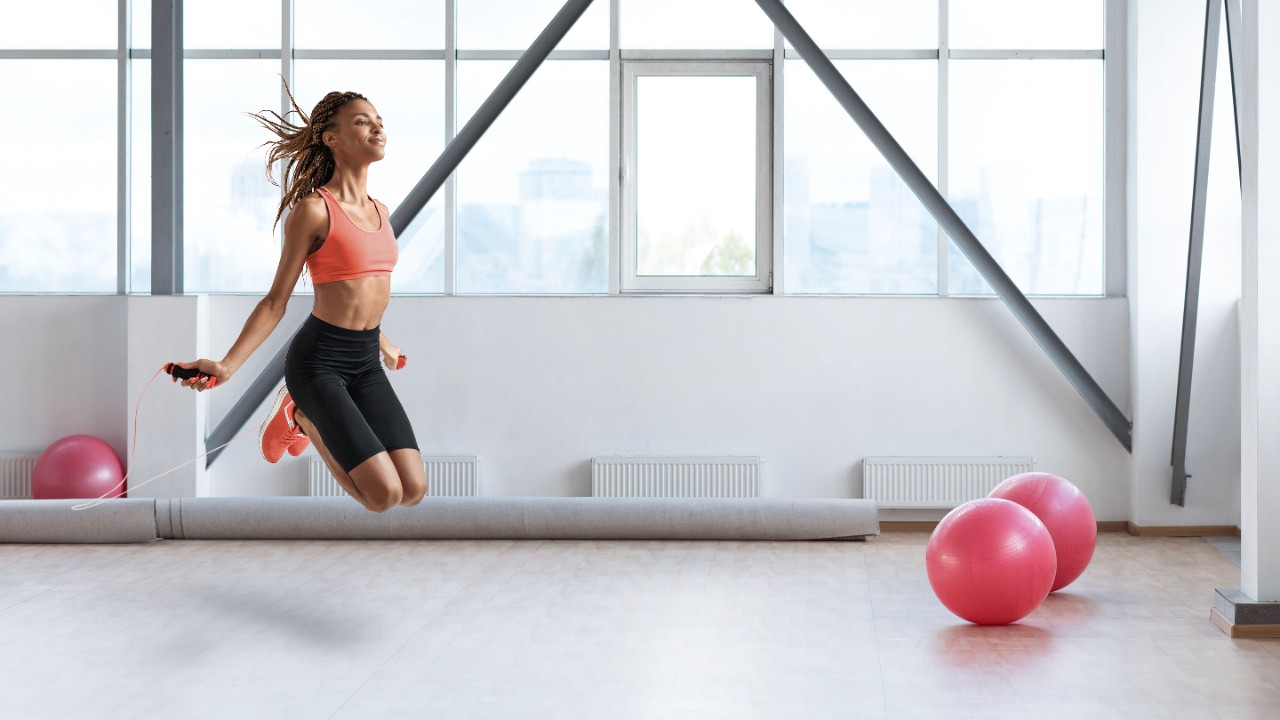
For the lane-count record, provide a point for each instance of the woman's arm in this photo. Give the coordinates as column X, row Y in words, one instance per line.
column 308, row 220
column 390, row 352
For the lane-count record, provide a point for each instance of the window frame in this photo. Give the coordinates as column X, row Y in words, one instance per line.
column 631, row 281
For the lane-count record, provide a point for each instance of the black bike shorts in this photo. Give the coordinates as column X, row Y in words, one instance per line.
column 335, row 377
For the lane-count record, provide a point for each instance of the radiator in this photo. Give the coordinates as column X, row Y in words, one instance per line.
column 15, row 474
column 675, row 477
column 447, row 476
column 935, row 482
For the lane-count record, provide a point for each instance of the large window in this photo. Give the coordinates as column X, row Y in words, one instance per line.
column 664, row 146
column 1009, row 92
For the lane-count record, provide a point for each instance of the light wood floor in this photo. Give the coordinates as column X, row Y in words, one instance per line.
column 694, row 630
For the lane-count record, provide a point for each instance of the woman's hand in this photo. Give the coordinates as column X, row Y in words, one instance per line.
column 390, row 354
column 207, row 369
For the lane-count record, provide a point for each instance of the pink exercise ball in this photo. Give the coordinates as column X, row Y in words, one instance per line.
column 77, row 466
column 990, row 561
column 1064, row 510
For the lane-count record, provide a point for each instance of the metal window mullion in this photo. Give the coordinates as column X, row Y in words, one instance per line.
column 450, row 131
column 944, row 146
column 514, row 55
column 344, row 54
column 928, row 54
column 1025, row 54
column 110, row 54
column 698, row 55
column 124, row 93
column 615, row 151
column 286, row 72
column 764, row 176
column 244, row 54
column 777, row 284
column 1114, row 211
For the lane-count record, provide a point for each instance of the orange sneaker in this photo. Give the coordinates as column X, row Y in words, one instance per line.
column 299, row 446
column 280, row 431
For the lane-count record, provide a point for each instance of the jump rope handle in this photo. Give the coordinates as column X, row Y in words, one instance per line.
column 401, row 362
column 181, row 373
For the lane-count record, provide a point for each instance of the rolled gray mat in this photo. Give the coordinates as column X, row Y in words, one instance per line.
column 125, row 520
column 520, row 518
column 470, row 518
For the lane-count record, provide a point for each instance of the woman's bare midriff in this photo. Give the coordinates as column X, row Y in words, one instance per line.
column 353, row 304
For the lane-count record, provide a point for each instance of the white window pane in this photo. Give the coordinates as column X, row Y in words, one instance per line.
column 868, row 24
column 695, row 176
column 140, row 32
column 379, row 25
column 67, row 24
column 409, row 95
column 533, row 193
column 1027, row 152
column 230, row 24
column 229, row 203
column 58, row 217
column 707, row 24
column 140, row 180
column 514, row 24
column 852, row 225
column 1026, row 24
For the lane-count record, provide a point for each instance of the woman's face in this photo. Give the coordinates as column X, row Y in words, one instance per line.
column 357, row 134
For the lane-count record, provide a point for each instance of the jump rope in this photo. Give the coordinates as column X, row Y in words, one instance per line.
column 179, row 373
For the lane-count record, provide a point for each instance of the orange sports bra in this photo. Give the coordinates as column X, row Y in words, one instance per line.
column 349, row 252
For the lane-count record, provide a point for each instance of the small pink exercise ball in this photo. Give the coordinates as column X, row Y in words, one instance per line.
column 1064, row 510
column 990, row 561
column 77, row 466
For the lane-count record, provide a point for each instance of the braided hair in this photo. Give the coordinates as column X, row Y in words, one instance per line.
column 308, row 161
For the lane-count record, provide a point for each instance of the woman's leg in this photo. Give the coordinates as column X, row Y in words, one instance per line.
column 413, row 479
column 374, row 483
column 376, row 399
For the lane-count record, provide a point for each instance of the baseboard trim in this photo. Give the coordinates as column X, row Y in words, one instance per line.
column 907, row 525
column 929, row 525
column 1243, row 632
column 1181, row 530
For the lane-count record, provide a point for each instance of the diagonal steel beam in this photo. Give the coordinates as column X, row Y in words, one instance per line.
column 410, row 208
column 946, row 216
column 1195, row 247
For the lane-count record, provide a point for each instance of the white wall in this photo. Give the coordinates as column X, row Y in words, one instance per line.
column 1165, row 50
column 538, row 386
column 62, row 369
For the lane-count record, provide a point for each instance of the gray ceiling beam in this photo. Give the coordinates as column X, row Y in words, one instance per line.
column 950, row 221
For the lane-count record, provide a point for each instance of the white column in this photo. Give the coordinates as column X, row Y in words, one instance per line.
column 1260, row 307
column 172, row 420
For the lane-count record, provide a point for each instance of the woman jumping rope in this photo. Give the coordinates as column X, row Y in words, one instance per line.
column 336, row 395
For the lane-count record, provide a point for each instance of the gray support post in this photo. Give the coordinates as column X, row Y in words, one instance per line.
column 418, row 197
column 1234, row 52
column 946, row 216
column 166, row 147
column 1195, row 254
